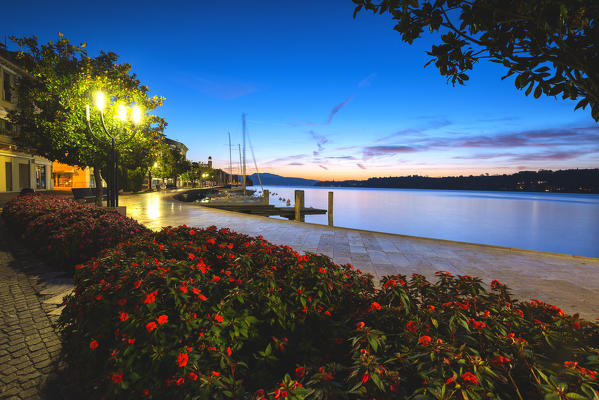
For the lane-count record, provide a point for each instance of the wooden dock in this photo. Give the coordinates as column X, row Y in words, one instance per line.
column 259, row 208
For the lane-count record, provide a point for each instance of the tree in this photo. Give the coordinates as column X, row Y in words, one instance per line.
column 550, row 44
column 61, row 80
column 171, row 163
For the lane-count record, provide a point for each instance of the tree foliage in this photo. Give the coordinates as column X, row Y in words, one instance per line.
column 61, row 80
column 171, row 163
column 551, row 46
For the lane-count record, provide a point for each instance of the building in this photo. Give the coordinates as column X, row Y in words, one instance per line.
column 66, row 177
column 19, row 169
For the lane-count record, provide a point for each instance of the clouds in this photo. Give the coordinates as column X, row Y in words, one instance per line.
column 219, row 88
column 336, row 109
column 323, row 167
column 367, row 81
column 361, row 166
column 377, row 151
column 320, row 140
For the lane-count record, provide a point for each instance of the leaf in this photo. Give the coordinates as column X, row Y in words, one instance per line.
column 538, row 91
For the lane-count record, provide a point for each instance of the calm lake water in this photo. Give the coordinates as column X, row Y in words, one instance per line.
column 555, row 222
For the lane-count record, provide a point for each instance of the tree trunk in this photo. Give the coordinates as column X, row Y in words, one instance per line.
column 149, row 179
column 98, row 180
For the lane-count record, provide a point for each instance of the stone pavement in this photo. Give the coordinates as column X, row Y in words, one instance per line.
column 567, row 281
column 30, row 297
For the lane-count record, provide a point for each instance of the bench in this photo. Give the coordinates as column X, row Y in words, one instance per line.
column 88, row 194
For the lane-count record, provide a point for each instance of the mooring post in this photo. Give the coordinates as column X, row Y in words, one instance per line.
column 266, row 196
column 330, row 213
column 299, row 204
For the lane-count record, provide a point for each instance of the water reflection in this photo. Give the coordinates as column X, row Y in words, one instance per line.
column 153, row 207
column 561, row 223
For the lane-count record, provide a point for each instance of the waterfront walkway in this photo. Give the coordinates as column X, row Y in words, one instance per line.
column 31, row 294
column 567, row 281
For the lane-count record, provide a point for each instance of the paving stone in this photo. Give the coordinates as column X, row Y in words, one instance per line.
column 26, row 329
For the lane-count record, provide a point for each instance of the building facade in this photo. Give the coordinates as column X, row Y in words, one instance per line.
column 19, row 169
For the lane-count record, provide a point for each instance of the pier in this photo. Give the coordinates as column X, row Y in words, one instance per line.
column 265, row 210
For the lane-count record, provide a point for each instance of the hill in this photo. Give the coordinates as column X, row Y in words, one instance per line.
column 278, row 180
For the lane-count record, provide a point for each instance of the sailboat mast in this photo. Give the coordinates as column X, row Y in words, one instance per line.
column 240, row 169
column 230, row 162
column 244, row 177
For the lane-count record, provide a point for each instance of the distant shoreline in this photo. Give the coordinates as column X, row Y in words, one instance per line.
column 420, row 188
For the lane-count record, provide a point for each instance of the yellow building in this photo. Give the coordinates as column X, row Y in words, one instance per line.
column 19, row 169
column 66, row 177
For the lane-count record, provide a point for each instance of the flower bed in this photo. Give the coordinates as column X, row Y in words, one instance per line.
column 211, row 314
column 66, row 232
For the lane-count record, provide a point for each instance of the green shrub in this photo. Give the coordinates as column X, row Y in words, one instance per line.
column 65, row 232
column 212, row 314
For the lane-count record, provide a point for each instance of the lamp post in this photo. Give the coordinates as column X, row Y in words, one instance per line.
column 113, row 198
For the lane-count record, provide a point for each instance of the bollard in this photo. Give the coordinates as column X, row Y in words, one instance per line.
column 299, row 204
column 330, row 213
column 266, row 196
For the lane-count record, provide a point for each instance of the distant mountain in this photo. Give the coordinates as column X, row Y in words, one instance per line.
column 278, row 180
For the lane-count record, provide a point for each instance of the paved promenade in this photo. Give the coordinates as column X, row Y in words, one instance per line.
column 569, row 282
column 30, row 298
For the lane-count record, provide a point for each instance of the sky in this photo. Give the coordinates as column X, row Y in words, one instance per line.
column 326, row 96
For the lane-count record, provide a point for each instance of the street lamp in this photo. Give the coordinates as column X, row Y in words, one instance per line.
column 113, row 198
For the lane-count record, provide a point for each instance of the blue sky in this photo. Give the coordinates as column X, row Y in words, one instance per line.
column 326, row 96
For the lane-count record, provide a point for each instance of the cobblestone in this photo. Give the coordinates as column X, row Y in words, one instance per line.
column 29, row 340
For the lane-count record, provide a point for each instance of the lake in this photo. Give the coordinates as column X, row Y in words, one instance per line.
column 555, row 222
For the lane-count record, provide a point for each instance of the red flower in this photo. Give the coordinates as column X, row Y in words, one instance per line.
column 322, row 270
column 300, row 371
column 124, row 316
column 180, row 381
column 192, row 232
column 360, row 325
column 150, row 297
column 182, row 359
column 137, row 284
column 218, row 318
column 191, row 256
column 443, row 273
column 117, row 377
column 450, row 380
column 203, row 298
column 365, row 377
column 183, row 288
column 570, row 364
column 412, row 326
column 98, row 297
column 215, row 278
column 390, row 283
column 229, row 352
column 131, row 341
column 495, row 284
column 193, row 376
column 93, row 344
column 214, row 373
column 374, row 306
column 498, row 361
column 470, row 378
column 424, row 340
column 163, row 319
column 150, row 326
column 430, row 308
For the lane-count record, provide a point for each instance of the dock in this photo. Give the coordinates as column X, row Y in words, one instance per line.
column 259, row 208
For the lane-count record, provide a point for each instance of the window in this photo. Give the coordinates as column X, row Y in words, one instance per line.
column 7, row 86
column 40, row 176
column 7, row 128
